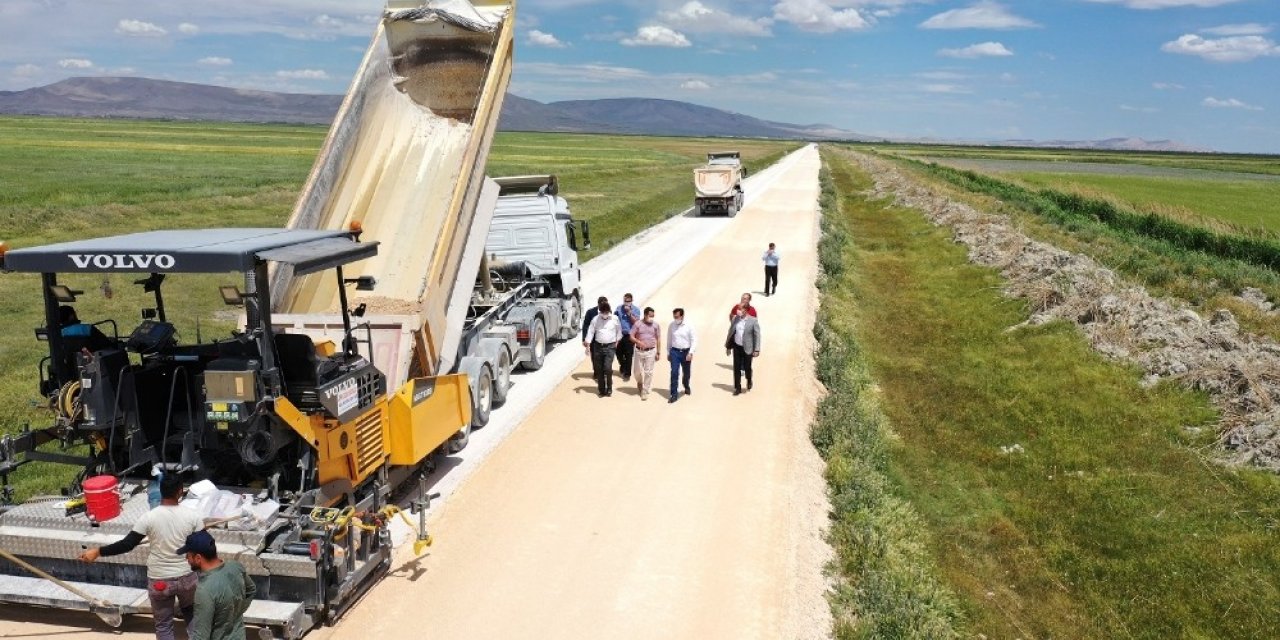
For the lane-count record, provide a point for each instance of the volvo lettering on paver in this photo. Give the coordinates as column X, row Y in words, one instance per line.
column 345, row 393
column 140, row 261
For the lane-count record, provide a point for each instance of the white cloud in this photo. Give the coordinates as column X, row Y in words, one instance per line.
column 1167, row 86
column 26, row 70
column 982, row 15
column 1229, row 103
column 326, row 21
column 1229, row 49
column 944, row 88
column 188, row 28
column 941, row 75
column 819, row 16
column 1247, row 29
column 1125, row 107
column 544, row 39
column 1165, row 4
column 696, row 17
column 140, row 29
column 694, row 85
column 980, row 50
column 75, row 63
column 215, row 61
column 657, row 36
column 303, row 74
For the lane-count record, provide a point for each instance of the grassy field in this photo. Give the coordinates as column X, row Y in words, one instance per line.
column 1244, row 163
column 65, row 179
column 1057, row 497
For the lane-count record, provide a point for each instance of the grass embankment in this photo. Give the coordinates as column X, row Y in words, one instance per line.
column 1060, row 497
column 887, row 584
column 1206, row 268
column 67, row 179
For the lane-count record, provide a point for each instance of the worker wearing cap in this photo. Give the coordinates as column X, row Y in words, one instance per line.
column 224, row 594
column 170, row 580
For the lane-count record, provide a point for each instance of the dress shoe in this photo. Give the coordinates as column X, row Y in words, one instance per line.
column 737, row 392
column 688, row 391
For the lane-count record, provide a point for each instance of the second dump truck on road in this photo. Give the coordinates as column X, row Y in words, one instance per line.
column 718, row 184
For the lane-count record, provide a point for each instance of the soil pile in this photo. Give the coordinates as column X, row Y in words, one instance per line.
column 1169, row 340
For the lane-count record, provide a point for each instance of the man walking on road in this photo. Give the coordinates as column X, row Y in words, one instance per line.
column 224, row 593
column 744, row 303
column 589, row 316
column 743, row 342
column 770, row 259
column 602, row 337
column 646, row 335
column 170, row 582
column 628, row 315
column 681, row 342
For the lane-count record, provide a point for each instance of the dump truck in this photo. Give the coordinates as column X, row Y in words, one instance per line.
column 342, row 385
column 718, row 184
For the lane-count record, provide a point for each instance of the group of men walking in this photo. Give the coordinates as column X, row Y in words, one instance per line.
column 633, row 337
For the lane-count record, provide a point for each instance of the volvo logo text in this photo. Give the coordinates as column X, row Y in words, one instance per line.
column 139, row 261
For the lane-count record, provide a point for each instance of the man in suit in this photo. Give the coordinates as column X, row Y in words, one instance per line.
column 743, row 342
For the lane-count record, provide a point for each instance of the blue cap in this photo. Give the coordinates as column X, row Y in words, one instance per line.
column 200, row 543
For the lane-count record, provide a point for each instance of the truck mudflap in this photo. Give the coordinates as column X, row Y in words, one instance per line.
column 280, row 619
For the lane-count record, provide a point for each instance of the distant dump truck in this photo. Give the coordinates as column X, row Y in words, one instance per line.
column 718, row 184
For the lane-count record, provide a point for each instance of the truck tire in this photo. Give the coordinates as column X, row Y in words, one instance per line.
column 481, row 405
column 537, row 346
column 570, row 328
column 733, row 210
column 502, row 378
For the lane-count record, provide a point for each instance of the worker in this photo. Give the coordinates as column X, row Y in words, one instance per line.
column 628, row 315
column 70, row 326
column 589, row 316
column 602, row 337
column 223, row 595
column 170, row 580
column 647, row 337
column 681, row 344
column 743, row 342
column 743, row 302
column 770, row 259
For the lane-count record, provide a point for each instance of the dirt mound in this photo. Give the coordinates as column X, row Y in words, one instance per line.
column 1168, row 339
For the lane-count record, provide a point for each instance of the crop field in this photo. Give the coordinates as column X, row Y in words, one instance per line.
column 65, row 179
column 1244, row 163
column 998, row 482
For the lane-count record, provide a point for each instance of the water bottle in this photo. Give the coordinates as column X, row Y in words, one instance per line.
column 153, row 490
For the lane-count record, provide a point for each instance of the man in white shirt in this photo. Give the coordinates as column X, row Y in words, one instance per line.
column 170, row 580
column 743, row 342
column 681, row 343
column 602, row 344
column 770, row 259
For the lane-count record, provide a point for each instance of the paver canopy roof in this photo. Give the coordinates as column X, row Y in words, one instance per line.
column 194, row 251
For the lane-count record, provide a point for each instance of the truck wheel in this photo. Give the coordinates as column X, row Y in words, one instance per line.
column 733, row 211
column 569, row 328
column 502, row 378
column 537, row 346
column 481, row 405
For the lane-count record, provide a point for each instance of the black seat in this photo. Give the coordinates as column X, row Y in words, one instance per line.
column 299, row 367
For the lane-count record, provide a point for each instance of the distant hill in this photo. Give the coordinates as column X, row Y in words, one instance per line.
column 106, row 97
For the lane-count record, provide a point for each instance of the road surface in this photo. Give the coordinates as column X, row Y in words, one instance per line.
column 617, row 518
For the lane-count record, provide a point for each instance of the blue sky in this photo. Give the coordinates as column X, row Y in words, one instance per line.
column 1203, row 72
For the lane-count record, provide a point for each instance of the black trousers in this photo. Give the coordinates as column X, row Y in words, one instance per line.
column 626, row 351
column 770, row 278
column 602, row 365
column 741, row 365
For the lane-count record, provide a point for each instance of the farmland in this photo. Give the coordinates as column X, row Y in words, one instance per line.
column 65, row 179
column 1001, row 479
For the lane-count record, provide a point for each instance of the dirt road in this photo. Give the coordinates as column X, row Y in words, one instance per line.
column 616, row 518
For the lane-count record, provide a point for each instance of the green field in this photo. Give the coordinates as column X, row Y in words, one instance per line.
column 66, row 179
column 1015, row 483
column 1245, row 163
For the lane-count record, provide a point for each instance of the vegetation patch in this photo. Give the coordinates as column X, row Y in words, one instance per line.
column 1062, row 497
column 887, row 584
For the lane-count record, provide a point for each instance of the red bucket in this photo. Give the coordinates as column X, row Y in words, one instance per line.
column 101, row 498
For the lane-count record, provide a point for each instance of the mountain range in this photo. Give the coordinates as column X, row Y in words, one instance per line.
column 120, row 97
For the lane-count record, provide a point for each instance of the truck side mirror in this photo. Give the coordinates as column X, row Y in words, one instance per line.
column 586, row 234
column 571, row 234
